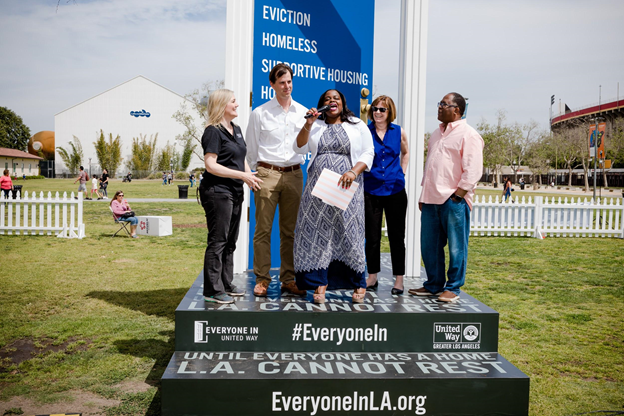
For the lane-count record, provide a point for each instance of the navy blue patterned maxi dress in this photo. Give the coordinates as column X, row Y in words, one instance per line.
column 329, row 242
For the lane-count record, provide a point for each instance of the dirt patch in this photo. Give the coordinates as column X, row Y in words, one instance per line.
column 124, row 261
column 27, row 348
column 81, row 402
column 189, row 226
column 133, row 387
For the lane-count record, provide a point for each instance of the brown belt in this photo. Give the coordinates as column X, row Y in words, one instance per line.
column 279, row 168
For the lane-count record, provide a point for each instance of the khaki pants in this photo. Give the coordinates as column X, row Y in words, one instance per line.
column 283, row 189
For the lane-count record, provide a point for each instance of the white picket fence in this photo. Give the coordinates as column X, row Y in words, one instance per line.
column 542, row 217
column 32, row 215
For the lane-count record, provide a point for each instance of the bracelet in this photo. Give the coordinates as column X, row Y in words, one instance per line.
column 304, row 126
column 354, row 174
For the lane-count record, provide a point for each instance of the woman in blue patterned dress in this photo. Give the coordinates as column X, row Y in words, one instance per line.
column 329, row 242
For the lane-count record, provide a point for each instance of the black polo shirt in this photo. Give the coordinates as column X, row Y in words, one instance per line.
column 231, row 152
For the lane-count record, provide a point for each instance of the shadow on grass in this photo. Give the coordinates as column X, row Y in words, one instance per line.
column 156, row 349
column 162, row 302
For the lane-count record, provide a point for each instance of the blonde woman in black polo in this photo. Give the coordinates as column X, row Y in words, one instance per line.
column 221, row 194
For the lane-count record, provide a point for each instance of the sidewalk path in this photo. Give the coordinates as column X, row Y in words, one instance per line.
column 574, row 190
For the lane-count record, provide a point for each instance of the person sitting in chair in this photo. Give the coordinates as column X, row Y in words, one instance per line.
column 122, row 211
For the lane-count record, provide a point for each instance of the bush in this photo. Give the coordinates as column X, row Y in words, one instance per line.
column 31, row 177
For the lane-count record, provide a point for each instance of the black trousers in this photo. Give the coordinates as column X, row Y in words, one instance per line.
column 223, row 215
column 395, row 207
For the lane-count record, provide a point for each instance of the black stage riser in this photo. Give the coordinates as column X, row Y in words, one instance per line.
column 262, row 383
column 383, row 323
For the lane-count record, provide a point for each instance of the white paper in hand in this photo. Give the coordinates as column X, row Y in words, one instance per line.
column 328, row 190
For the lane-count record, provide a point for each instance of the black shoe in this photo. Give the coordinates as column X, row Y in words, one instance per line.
column 373, row 288
column 396, row 291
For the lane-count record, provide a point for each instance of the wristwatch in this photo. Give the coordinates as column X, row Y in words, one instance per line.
column 456, row 198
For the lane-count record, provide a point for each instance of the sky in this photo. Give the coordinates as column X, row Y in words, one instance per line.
column 503, row 54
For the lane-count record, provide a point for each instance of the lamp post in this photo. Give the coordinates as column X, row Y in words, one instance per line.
column 596, row 120
column 548, row 171
column 90, row 173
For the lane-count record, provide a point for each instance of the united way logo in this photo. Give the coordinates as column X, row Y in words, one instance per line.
column 201, row 337
column 451, row 332
column 471, row 333
column 141, row 113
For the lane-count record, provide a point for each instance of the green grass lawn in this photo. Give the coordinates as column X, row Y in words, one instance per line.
column 108, row 305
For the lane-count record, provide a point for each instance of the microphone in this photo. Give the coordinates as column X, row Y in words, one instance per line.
column 319, row 110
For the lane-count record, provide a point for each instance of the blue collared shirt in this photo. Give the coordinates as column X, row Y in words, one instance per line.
column 386, row 177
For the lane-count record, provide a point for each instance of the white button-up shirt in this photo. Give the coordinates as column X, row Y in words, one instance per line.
column 271, row 133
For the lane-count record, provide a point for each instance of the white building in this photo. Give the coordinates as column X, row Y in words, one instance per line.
column 138, row 106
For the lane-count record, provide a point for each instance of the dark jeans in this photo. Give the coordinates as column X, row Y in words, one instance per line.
column 395, row 207
column 449, row 222
column 223, row 215
column 103, row 187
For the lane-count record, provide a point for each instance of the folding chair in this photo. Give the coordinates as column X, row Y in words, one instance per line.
column 120, row 221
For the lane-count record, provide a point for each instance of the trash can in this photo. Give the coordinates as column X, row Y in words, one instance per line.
column 495, row 184
column 16, row 189
column 183, row 191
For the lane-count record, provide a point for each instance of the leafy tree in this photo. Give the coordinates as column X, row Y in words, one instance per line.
column 187, row 153
column 495, row 138
column 538, row 156
column 108, row 152
column 168, row 159
column 14, row 134
column 518, row 141
column 73, row 157
column 143, row 155
column 189, row 112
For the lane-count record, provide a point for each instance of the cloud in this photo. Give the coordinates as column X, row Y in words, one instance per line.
column 60, row 59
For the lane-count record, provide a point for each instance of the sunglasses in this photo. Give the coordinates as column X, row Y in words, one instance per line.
column 443, row 105
column 121, row 195
column 375, row 109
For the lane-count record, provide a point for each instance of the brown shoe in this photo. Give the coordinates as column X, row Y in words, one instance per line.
column 292, row 289
column 421, row 291
column 261, row 289
column 448, row 296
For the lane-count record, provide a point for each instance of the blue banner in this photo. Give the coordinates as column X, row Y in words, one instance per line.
column 327, row 43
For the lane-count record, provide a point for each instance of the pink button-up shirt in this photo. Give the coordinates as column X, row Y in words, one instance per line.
column 454, row 160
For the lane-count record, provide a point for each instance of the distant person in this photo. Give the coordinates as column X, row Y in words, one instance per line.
column 94, row 188
column 384, row 191
column 192, row 179
column 453, row 168
column 169, row 178
column 104, row 183
column 507, row 189
column 122, row 212
column 82, row 177
column 6, row 184
column 164, row 178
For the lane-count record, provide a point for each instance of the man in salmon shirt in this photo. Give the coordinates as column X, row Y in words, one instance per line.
column 453, row 168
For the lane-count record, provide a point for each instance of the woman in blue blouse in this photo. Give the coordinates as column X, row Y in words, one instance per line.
column 384, row 190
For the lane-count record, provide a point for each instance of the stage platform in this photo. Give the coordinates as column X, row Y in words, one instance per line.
column 391, row 355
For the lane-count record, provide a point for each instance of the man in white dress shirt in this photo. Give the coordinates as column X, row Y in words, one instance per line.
column 272, row 129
